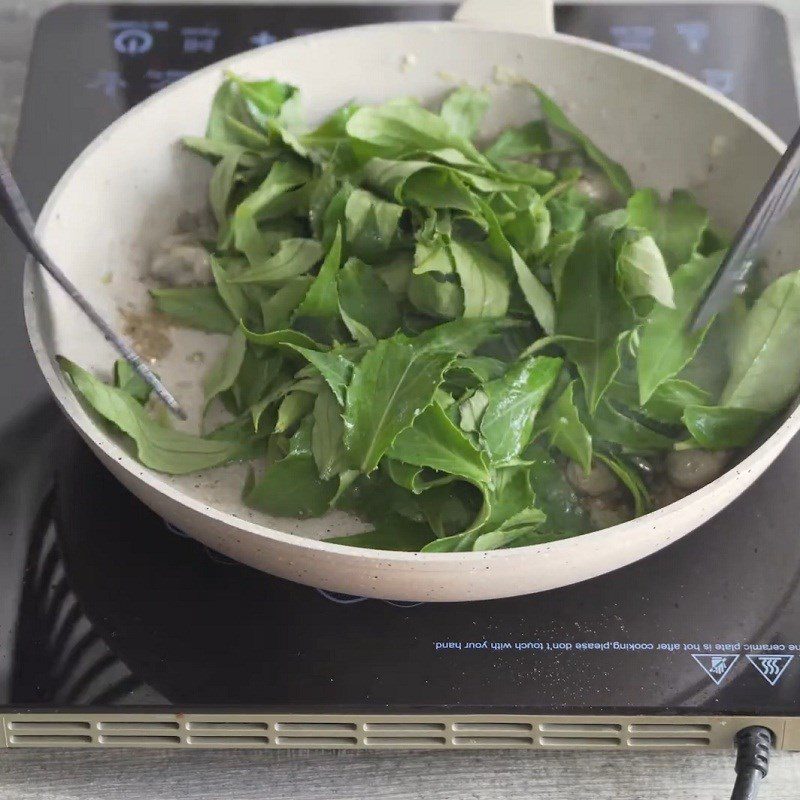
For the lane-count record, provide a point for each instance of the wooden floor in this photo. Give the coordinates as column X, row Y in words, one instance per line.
column 269, row 775
column 499, row 775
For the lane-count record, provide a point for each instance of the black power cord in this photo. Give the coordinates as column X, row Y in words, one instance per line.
column 753, row 746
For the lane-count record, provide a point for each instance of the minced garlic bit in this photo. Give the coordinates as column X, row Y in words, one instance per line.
column 447, row 77
column 148, row 332
column 507, row 76
column 719, row 144
column 408, row 61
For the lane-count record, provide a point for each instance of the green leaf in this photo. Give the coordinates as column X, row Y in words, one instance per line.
column 322, row 298
column 461, row 336
column 765, row 369
column 433, row 255
column 471, row 371
column 281, row 339
column 225, row 369
column 530, row 174
column 221, row 186
column 416, row 479
column 159, row 448
column 566, row 515
column 233, row 296
column 294, row 407
column 591, row 312
column 709, row 368
column 611, row 424
column 720, row 427
column 555, row 256
column 300, row 440
column 397, row 129
column 732, row 321
column 259, row 373
column 370, row 225
column 195, row 306
column 509, row 511
column 128, row 380
column 671, row 399
column 264, row 98
column 438, row 188
column 528, row 140
column 364, row 297
column 419, row 183
column 471, row 411
column 631, row 480
column 529, row 228
column 292, row 487
column 500, row 181
column 294, row 257
column 396, row 274
column 274, row 197
column 280, row 130
column 248, row 136
column 436, row 297
column 566, row 217
column 258, row 409
column 536, row 296
column 483, row 280
column 677, row 226
column 567, row 432
column 328, row 218
column 278, row 310
column 322, row 190
column 334, row 368
column 643, row 271
column 514, row 400
column 391, row 386
column 215, row 151
column 464, row 109
column 521, row 524
column 450, row 509
column 615, row 172
column 361, row 334
column 435, row 442
column 394, row 533
column 666, row 343
column 376, row 497
column 240, row 429
column 332, row 131
column 226, row 104
column 327, row 443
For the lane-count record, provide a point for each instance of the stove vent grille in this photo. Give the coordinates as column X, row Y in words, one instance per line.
column 191, row 731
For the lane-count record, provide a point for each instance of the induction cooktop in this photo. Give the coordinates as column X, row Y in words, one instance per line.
column 117, row 630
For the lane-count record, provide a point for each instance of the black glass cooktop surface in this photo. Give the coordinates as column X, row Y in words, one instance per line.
column 103, row 605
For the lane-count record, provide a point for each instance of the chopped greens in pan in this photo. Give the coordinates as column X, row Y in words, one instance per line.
column 471, row 345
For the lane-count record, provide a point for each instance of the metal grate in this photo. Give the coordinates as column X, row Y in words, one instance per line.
column 385, row 731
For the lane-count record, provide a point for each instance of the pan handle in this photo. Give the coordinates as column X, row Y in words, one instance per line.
column 524, row 16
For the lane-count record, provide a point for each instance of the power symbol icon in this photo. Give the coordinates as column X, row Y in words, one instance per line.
column 133, row 41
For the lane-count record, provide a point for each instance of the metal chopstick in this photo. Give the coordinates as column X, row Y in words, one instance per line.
column 17, row 214
column 769, row 208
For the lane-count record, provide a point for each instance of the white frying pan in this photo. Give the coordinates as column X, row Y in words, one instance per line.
column 124, row 193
